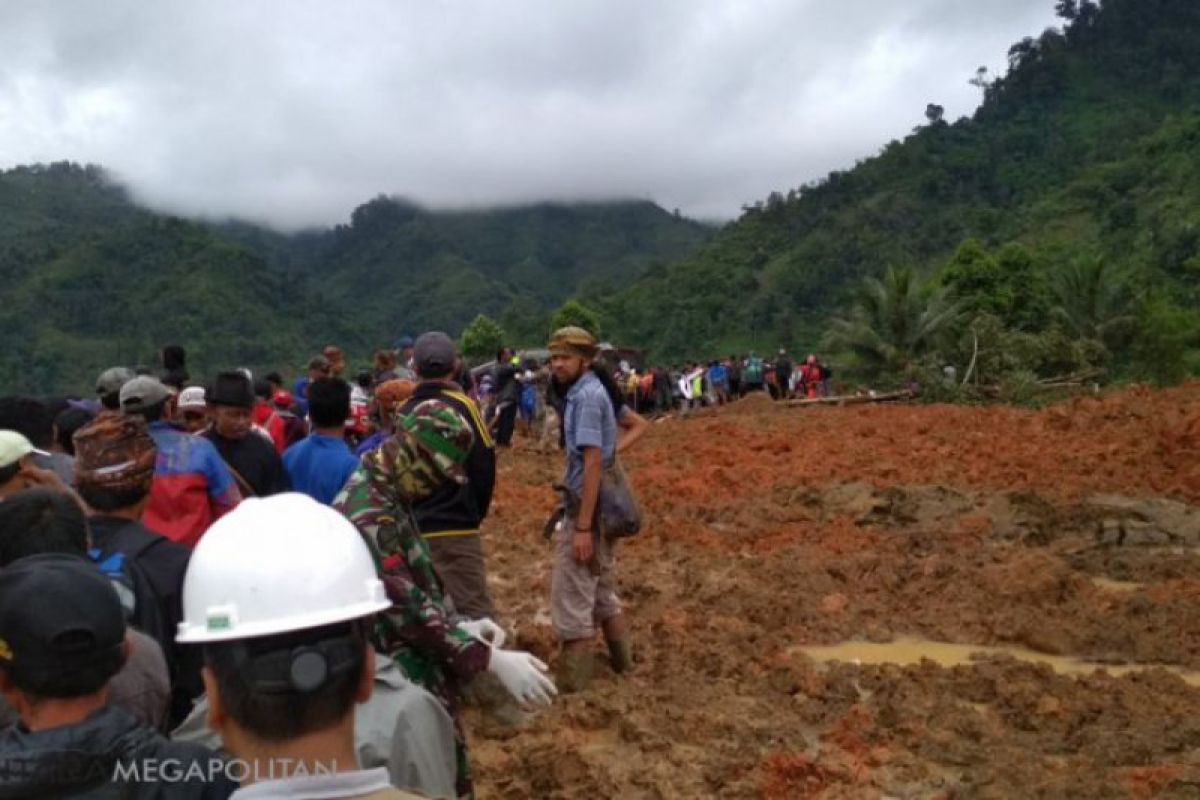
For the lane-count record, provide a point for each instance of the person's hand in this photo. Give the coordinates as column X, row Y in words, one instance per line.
column 523, row 676
column 581, row 546
column 36, row 476
column 485, row 630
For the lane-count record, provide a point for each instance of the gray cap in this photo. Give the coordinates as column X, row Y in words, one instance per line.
column 143, row 392
column 434, row 353
column 112, row 379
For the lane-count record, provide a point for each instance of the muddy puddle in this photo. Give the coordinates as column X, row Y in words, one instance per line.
column 906, row 651
column 1116, row 586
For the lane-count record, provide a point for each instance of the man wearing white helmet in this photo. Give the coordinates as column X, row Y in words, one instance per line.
column 281, row 593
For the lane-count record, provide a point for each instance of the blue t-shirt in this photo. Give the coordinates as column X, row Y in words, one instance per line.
column 298, row 390
column 588, row 421
column 717, row 375
column 319, row 466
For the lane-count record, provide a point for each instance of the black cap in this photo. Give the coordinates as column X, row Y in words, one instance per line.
column 434, row 354
column 58, row 614
column 231, row 389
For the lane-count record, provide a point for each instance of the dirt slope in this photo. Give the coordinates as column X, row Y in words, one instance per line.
column 773, row 528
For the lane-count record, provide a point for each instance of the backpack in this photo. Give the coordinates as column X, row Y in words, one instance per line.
column 141, row 603
column 753, row 373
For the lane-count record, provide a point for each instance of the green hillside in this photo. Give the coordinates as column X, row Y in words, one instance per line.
column 1088, row 148
column 91, row 279
column 401, row 268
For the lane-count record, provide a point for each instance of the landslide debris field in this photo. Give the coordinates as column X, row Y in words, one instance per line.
column 1072, row 532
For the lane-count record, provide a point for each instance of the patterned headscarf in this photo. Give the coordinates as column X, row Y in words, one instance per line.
column 115, row 452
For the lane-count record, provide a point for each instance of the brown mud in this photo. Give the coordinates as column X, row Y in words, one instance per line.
column 1070, row 532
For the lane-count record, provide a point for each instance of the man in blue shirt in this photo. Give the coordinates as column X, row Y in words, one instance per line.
column 321, row 463
column 583, row 583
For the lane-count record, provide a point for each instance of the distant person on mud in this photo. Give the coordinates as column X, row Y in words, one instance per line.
column 664, row 397
column 752, row 374
column 718, row 382
column 508, row 397
column 810, row 378
column 783, row 375
column 733, row 369
column 583, row 583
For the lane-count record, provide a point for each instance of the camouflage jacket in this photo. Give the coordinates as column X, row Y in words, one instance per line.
column 418, row 631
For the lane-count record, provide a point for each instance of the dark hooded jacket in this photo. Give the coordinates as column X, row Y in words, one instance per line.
column 108, row 755
column 457, row 507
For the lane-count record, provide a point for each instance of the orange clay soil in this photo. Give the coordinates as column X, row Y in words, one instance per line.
column 1070, row 531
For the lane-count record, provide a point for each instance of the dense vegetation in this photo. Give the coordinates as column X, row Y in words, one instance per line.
column 1056, row 230
column 1079, row 173
column 93, row 280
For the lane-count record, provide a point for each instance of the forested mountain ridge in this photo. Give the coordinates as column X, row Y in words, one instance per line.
column 92, row 279
column 1089, row 147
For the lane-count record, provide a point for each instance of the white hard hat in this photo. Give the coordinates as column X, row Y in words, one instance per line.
column 274, row 565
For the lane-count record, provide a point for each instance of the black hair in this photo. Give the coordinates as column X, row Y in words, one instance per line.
column 153, row 413
column 275, row 378
column 281, row 715
column 55, row 405
column 435, row 372
column 104, row 499
column 365, row 379
column 67, row 682
column 262, row 389
column 69, row 421
column 111, row 401
column 329, row 402
column 38, row 521
column 29, row 417
column 174, row 357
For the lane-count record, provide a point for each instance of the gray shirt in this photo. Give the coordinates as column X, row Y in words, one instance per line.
column 401, row 727
column 588, row 421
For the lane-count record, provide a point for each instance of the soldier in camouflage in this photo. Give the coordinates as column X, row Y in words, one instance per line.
column 434, row 647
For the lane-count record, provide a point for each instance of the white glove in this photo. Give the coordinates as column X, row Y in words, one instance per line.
column 523, row 676
column 485, row 630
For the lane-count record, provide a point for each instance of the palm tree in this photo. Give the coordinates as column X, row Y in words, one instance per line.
column 1094, row 300
column 893, row 323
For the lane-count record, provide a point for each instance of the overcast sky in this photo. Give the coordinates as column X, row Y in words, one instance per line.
column 292, row 113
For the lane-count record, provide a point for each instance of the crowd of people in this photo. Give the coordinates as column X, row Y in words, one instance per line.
column 237, row 588
column 695, row 384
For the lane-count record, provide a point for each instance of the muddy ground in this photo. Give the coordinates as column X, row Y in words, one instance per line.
column 772, row 528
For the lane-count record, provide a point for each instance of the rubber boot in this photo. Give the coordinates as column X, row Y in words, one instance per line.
column 574, row 669
column 620, row 654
